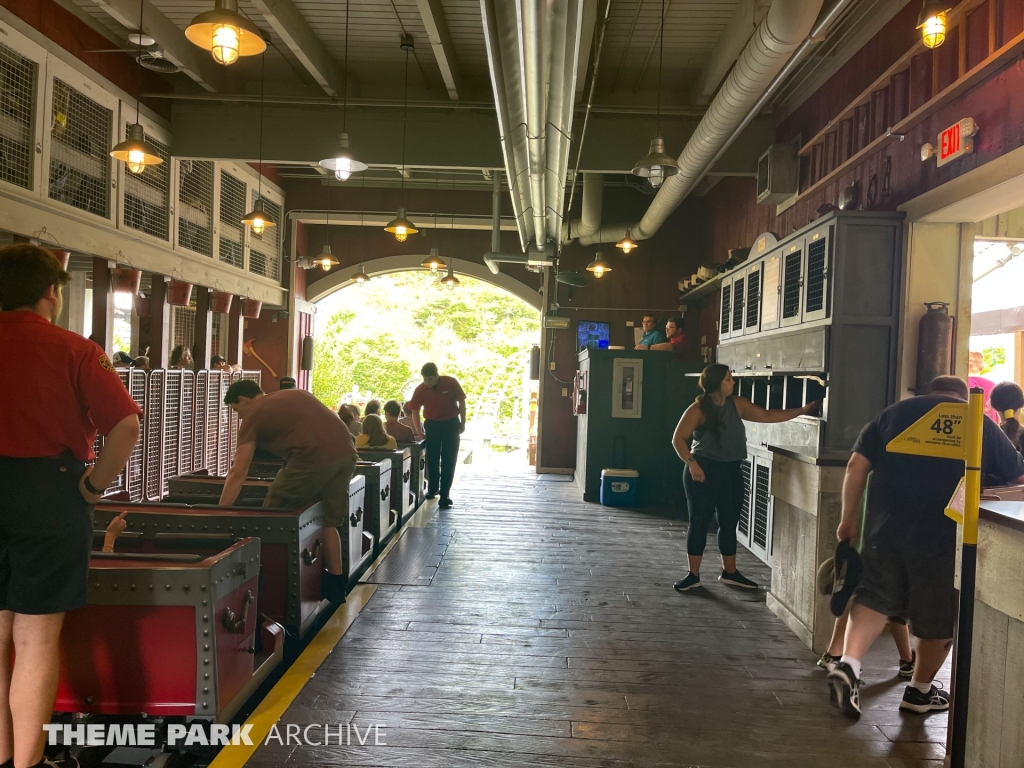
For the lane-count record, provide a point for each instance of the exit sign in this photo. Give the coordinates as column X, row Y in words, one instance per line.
column 956, row 141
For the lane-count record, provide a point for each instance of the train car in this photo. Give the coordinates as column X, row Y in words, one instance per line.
column 291, row 547
column 169, row 634
column 402, row 496
column 380, row 518
column 418, row 481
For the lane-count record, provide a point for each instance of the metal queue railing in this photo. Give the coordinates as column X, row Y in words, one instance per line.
column 185, row 427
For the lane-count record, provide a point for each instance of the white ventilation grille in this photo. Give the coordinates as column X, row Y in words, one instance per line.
column 80, row 151
column 232, row 209
column 147, row 194
column 184, row 327
column 265, row 249
column 17, row 109
column 195, row 206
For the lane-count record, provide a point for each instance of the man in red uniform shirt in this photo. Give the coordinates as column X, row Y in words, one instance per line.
column 49, row 414
column 444, row 408
column 676, row 343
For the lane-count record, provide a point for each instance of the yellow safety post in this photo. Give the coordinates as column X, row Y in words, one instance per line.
column 968, row 569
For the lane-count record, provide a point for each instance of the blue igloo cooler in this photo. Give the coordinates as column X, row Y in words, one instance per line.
column 620, row 487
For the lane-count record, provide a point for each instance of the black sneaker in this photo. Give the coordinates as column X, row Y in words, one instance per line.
column 907, row 667
column 692, row 580
column 432, row 495
column 936, row 700
column 845, row 689
column 828, row 661
column 445, row 504
column 736, row 579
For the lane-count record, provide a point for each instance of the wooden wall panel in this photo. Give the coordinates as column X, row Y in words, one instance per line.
column 977, row 35
column 1009, row 20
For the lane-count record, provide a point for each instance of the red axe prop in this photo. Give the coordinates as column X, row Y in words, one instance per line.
column 247, row 348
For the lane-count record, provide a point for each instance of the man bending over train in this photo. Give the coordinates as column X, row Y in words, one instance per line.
column 319, row 461
column 49, row 413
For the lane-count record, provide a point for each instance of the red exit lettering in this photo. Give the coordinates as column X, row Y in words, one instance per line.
column 949, row 142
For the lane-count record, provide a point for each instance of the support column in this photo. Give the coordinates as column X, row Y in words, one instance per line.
column 102, row 304
column 73, row 315
column 159, row 323
column 235, row 331
column 204, row 329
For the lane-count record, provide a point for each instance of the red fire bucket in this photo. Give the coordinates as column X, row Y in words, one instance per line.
column 126, row 280
column 179, row 293
column 64, row 257
column 220, row 301
column 251, row 308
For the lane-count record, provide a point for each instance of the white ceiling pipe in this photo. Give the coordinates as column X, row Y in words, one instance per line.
column 536, row 20
column 787, row 25
column 589, row 221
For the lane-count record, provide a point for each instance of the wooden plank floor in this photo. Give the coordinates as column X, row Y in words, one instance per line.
column 550, row 637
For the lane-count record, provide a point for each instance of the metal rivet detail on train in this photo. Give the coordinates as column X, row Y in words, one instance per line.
column 206, row 633
column 206, row 690
column 206, row 647
column 206, row 662
column 206, row 617
column 206, row 676
column 167, row 586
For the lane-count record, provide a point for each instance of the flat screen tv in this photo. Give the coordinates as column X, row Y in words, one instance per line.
column 591, row 334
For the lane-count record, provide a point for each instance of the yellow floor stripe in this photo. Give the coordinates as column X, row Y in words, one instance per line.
column 281, row 696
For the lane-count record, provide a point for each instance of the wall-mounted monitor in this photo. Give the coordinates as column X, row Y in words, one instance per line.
column 591, row 334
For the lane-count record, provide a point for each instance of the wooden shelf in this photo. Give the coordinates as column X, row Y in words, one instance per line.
column 702, row 290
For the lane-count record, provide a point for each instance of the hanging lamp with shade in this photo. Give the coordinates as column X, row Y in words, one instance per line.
column 225, row 33
column 449, row 281
column 326, row 259
column 258, row 218
column 933, row 22
column 599, row 266
column 135, row 152
column 657, row 165
column 627, row 243
column 360, row 278
column 433, row 262
column 400, row 226
column 343, row 162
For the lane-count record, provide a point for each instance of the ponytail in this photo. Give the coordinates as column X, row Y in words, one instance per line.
column 1008, row 398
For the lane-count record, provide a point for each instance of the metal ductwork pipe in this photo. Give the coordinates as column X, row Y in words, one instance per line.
column 787, row 25
column 589, row 221
column 494, row 257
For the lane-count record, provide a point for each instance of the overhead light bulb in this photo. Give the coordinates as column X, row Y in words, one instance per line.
column 599, row 266
column 627, row 244
column 656, row 165
column 226, row 33
column 135, row 151
column 257, row 218
column 449, row 281
column 326, row 259
column 343, row 163
column 932, row 22
column 360, row 278
column 401, row 227
column 258, row 225
column 433, row 262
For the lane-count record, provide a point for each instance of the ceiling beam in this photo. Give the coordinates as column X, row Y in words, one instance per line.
column 441, row 41
column 191, row 60
column 291, row 25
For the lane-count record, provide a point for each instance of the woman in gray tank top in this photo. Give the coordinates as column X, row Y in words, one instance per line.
column 712, row 478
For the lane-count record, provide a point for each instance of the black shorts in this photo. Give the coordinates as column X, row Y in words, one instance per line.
column 45, row 535
column 916, row 586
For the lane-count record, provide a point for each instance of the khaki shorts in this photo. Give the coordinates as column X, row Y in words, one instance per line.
column 294, row 488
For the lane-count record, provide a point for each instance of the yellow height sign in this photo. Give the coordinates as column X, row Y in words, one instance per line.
column 942, row 433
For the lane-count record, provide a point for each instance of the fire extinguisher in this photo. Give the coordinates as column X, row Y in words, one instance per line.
column 934, row 345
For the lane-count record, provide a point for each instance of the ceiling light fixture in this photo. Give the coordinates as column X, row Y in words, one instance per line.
column 360, row 278
column 932, row 22
column 599, row 266
column 400, row 226
column 627, row 243
column 135, row 151
column 433, row 262
column 449, row 281
column 257, row 218
column 226, row 33
column 343, row 163
column 656, row 165
column 326, row 258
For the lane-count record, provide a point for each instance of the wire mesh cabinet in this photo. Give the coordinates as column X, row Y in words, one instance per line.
column 265, row 248
column 144, row 199
column 22, row 88
column 755, row 527
column 792, row 283
column 79, row 131
column 817, row 298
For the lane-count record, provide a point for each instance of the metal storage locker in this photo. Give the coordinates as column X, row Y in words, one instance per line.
column 725, row 319
column 743, row 528
column 762, row 504
column 817, row 280
column 771, row 291
column 792, row 283
column 752, row 314
column 739, row 289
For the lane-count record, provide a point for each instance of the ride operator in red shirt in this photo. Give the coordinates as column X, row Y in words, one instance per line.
column 444, row 408
column 49, row 414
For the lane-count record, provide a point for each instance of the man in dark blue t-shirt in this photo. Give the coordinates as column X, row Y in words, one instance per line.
column 909, row 552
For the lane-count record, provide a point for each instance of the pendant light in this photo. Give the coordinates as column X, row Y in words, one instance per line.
column 599, row 266
column 135, row 151
column 226, row 33
column 449, row 281
column 326, row 258
column 657, row 166
column 932, row 22
column 360, row 278
column 433, row 262
column 343, row 163
column 257, row 218
column 400, row 226
column 627, row 243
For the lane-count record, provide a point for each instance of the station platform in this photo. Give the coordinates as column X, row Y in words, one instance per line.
column 528, row 629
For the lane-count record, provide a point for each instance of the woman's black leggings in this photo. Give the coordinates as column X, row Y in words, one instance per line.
column 722, row 489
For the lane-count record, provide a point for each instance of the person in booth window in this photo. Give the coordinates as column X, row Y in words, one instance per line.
column 651, row 335
column 444, row 408
column 49, row 415
column 319, row 455
column 676, row 343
